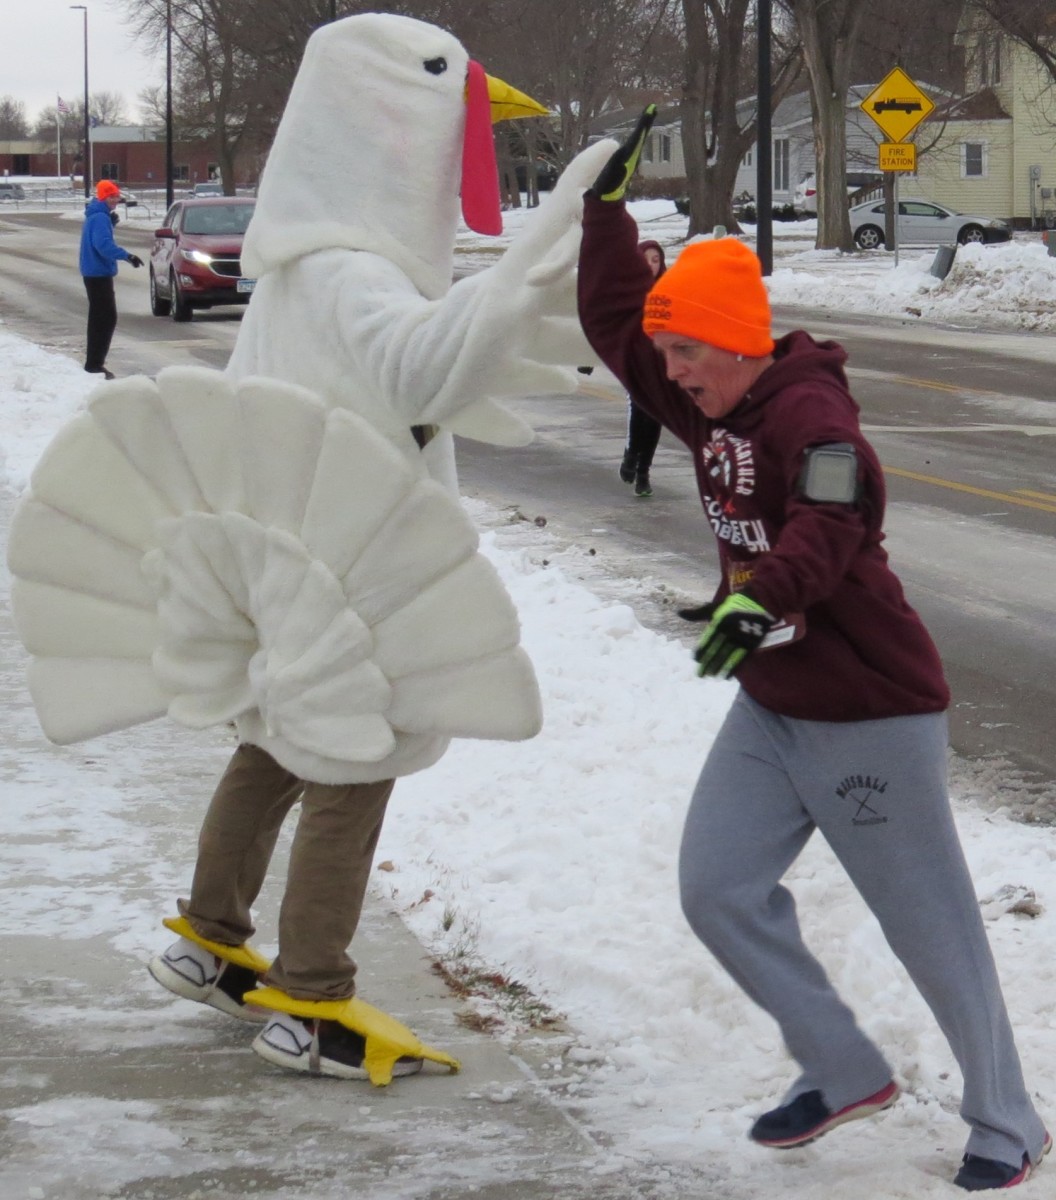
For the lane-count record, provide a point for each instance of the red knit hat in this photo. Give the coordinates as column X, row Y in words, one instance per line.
column 713, row 293
column 106, row 189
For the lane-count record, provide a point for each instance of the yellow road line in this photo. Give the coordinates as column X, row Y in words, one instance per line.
column 941, row 387
column 936, row 386
column 1036, row 495
column 974, row 491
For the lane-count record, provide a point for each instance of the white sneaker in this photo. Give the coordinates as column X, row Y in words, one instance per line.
column 195, row 973
column 319, row 1048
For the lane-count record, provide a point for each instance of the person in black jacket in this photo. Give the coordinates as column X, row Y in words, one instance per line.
column 643, row 431
column 99, row 257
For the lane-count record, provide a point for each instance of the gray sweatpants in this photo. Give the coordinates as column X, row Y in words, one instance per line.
column 877, row 791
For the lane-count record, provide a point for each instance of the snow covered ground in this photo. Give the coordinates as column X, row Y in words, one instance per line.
column 554, row 860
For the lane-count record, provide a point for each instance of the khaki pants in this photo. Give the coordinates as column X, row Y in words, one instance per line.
column 330, row 861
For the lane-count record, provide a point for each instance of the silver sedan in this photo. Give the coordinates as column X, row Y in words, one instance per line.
column 924, row 222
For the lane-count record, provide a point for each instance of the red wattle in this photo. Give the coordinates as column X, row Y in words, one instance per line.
column 480, row 172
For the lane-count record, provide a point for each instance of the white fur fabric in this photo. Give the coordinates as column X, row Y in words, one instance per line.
column 352, row 244
column 195, row 547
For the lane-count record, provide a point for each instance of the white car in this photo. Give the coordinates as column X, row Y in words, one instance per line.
column 805, row 197
column 924, row 222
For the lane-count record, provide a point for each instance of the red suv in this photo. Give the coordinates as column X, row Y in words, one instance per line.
column 195, row 259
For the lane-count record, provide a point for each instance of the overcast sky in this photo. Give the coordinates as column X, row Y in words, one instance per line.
column 43, row 54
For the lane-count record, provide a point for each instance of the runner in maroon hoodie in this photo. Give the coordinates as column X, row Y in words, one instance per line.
column 839, row 724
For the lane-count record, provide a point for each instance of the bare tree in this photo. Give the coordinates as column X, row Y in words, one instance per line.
column 220, row 82
column 920, row 36
column 717, row 132
column 104, row 108
column 828, row 31
column 1032, row 23
column 107, row 108
column 13, row 120
column 574, row 56
column 236, row 59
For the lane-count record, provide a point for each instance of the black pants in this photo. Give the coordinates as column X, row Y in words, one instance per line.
column 643, row 436
column 102, row 319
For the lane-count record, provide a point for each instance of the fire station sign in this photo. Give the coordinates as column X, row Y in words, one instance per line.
column 898, row 156
column 897, row 105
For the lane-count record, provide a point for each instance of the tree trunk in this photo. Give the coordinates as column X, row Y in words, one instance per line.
column 694, row 106
column 828, row 31
column 715, row 136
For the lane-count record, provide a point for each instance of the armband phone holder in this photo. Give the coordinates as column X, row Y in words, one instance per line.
column 830, row 474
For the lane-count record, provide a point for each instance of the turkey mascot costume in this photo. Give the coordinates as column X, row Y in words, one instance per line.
column 280, row 546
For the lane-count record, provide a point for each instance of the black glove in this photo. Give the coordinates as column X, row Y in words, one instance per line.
column 703, row 613
column 612, row 183
column 114, row 218
column 135, row 260
column 736, row 629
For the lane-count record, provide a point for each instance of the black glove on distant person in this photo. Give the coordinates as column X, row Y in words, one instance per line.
column 616, row 174
column 135, row 260
column 702, row 612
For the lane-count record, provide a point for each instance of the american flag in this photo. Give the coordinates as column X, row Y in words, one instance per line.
column 62, row 106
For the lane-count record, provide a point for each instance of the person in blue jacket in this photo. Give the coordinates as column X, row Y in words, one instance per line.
column 100, row 255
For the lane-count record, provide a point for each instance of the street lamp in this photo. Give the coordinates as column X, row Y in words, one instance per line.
column 169, row 168
column 87, row 163
column 86, row 168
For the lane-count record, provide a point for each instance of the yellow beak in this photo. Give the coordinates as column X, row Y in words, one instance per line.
column 507, row 103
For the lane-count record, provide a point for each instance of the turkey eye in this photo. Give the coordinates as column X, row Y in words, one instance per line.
column 435, row 66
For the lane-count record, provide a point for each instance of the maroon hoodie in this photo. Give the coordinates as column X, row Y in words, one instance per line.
column 866, row 653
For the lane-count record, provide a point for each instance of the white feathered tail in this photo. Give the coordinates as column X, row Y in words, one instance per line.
column 221, row 550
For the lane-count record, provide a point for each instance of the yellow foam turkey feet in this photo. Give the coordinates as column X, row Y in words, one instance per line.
column 386, row 1039
column 241, row 956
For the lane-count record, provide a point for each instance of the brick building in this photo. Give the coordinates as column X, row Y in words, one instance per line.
column 134, row 155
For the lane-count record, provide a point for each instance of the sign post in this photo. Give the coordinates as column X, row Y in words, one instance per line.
column 898, row 106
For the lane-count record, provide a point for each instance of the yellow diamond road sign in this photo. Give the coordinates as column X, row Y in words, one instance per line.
column 897, row 105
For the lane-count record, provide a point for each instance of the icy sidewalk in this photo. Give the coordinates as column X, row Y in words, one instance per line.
column 113, row 1088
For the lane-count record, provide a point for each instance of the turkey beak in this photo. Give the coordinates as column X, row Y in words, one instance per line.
column 507, row 102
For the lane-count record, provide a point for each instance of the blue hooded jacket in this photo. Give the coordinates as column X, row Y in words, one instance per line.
column 99, row 252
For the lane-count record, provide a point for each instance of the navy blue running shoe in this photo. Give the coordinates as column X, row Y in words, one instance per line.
column 808, row 1117
column 990, row 1175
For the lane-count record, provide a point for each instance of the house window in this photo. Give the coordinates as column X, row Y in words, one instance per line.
column 108, row 171
column 657, row 148
column 781, row 164
column 182, row 172
column 212, row 171
column 748, row 159
column 973, row 160
column 20, row 164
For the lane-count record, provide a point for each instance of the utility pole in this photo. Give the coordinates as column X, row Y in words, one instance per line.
column 86, row 165
column 764, row 187
column 170, row 170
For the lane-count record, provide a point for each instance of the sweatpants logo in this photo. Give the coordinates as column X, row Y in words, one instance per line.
column 864, row 792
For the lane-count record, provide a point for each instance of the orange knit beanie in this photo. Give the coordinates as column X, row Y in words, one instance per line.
column 713, row 293
column 106, row 188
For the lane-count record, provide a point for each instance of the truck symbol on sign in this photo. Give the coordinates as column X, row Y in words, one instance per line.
column 906, row 106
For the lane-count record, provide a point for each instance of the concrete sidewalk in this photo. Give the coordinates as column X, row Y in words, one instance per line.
column 112, row 1087
column 178, row 1106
